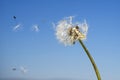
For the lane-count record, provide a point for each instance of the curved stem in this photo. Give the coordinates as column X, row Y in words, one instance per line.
column 91, row 59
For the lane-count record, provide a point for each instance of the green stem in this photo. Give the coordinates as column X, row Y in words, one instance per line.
column 91, row 59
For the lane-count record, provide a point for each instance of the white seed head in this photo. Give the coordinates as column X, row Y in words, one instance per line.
column 68, row 33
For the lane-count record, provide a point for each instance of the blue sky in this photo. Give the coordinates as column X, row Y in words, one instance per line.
column 42, row 54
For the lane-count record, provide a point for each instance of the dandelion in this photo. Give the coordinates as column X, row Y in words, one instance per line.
column 68, row 33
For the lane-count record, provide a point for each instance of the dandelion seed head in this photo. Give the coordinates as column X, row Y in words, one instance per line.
column 62, row 31
column 67, row 33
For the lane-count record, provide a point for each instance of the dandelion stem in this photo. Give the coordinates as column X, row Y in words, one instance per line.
column 91, row 59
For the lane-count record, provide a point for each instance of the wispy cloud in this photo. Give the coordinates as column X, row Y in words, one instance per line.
column 35, row 28
column 17, row 27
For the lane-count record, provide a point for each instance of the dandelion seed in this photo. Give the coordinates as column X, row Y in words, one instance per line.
column 23, row 70
column 14, row 69
column 17, row 27
column 35, row 28
column 83, row 27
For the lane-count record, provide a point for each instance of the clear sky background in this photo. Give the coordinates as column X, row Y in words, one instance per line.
column 42, row 54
